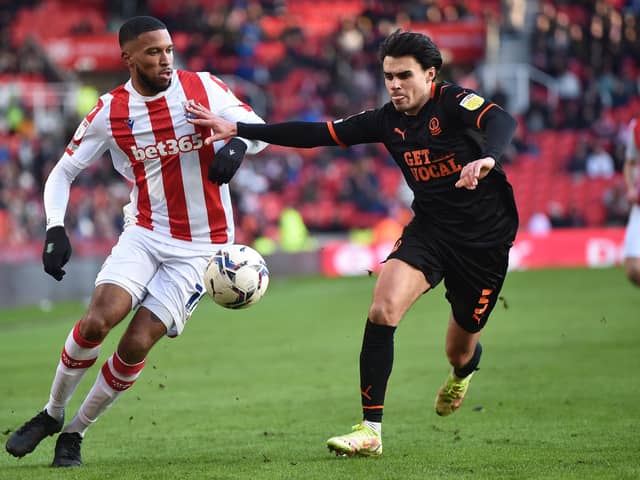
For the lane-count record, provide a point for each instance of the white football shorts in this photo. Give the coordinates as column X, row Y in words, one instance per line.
column 632, row 234
column 162, row 274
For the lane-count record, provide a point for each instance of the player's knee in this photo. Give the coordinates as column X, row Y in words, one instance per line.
column 94, row 326
column 383, row 313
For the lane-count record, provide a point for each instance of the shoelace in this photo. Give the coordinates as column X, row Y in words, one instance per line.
column 454, row 390
column 34, row 421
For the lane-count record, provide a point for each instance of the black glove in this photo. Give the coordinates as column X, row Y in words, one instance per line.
column 227, row 160
column 56, row 252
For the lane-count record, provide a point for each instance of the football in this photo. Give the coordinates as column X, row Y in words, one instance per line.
column 236, row 276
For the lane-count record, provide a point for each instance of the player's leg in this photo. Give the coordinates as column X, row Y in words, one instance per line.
column 399, row 285
column 631, row 248
column 463, row 352
column 173, row 294
column 117, row 375
column 109, row 305
column 473, row 281
column 632, row 269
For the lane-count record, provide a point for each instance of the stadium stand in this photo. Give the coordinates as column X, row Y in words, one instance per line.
column 315, row 60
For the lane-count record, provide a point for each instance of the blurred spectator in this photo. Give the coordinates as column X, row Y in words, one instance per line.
column 362, row 187
column 559, row 217
column 538, row 115
column 578, row 162
column 539, row 223
column 599, row 162
column 616, row 205
column 590, row 49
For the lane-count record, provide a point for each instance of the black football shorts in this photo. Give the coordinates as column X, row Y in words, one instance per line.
column 472, row 277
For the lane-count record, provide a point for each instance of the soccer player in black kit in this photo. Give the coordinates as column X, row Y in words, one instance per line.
column 447, row 141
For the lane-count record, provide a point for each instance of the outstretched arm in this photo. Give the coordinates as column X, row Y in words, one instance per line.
column 288, row 134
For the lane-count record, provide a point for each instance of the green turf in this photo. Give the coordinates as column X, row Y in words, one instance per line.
column 256, row 393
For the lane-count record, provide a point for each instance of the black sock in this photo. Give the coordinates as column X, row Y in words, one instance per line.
column 472, row 365
column 376, row 361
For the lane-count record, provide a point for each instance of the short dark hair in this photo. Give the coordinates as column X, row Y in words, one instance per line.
column 418, row 45
column 137, row 25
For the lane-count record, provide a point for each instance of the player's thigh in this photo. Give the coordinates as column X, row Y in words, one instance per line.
column 399, row 285
column 473, row 280
column 176, row 289
column 132, row 264
column 416, row 248
column 109, row 305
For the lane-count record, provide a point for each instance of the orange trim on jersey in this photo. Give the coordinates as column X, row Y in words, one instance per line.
column 442, row 89
column 491, row 105
column 373, row 407
column 433, row 90
column 334, row 136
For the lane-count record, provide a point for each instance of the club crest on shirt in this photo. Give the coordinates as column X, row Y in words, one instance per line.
column 434, row 126
column 472, row 102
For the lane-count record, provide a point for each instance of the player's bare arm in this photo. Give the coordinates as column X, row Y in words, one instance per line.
column 475, row 171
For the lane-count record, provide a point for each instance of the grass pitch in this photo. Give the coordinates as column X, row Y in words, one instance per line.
column 256, row 393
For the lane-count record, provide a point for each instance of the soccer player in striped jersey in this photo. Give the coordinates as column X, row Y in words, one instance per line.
column 631, row 171
column 447, row 140
column 176, row 219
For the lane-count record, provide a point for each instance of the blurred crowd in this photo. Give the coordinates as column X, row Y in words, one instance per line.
column 315, row 67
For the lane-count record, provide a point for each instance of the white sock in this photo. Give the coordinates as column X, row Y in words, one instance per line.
column 77, row 356
column 114, row 379
column 375, row 426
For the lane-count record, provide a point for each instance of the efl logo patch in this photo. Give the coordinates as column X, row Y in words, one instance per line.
column 472, row 102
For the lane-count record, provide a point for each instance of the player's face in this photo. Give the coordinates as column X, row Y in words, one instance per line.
column 150, row 61
column 408, row 84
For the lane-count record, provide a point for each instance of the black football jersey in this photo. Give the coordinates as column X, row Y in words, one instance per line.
column 431, row 148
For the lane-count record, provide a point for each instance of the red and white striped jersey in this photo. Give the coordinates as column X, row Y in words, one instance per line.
column 162, row 156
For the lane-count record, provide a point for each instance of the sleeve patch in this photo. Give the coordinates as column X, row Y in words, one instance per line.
column 472, row 102
column 79, row 133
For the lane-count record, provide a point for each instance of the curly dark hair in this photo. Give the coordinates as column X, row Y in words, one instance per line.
column 417, row 45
